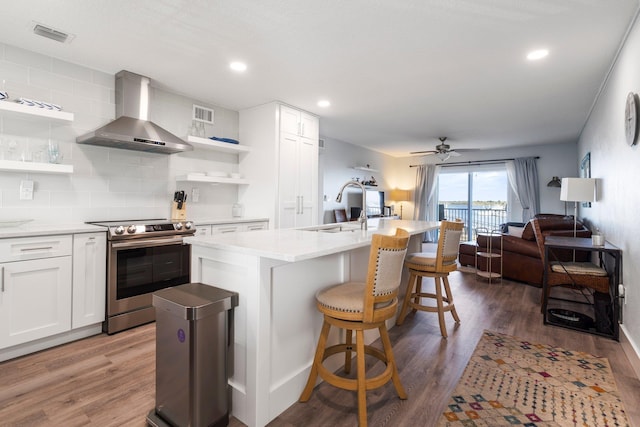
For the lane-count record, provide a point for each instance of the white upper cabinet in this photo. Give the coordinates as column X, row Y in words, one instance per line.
column 298, row 122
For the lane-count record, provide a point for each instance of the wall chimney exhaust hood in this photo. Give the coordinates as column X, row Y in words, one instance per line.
column 131, row 130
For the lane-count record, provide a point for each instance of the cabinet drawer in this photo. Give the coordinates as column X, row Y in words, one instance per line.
column 253, row 226
column 24, row 248
column 203, row 230
column 226, row 228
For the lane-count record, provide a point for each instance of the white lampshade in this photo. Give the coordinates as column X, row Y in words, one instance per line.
column 578, row 189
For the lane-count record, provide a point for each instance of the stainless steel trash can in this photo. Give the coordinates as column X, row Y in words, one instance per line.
column 194, row 355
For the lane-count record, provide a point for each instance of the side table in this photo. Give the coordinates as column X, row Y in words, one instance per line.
column 609, row 258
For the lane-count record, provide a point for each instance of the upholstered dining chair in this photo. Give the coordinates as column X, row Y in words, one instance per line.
column 569, row 274
column 437, row 265
column 356, row 306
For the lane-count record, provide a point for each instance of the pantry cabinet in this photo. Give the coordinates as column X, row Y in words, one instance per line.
column 282, row 165
column 298, row 164
column 89, row 279
column 35, row 288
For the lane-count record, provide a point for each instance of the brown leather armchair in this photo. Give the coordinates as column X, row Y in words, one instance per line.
column 521, row 260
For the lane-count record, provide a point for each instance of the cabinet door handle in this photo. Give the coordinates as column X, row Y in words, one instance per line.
column 42, row 248
column 302, row 131
column 2, row 279
column 301, row 205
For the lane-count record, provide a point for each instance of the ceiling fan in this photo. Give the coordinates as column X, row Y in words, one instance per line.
column 443, row 150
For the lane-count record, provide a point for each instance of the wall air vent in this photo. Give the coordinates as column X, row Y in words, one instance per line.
column 51, row 33
column 202, row 114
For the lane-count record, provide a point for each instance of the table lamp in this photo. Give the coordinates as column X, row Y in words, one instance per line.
column 577, row 190
column 399, row 196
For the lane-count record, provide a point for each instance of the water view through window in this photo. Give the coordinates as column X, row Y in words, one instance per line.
column 479, row 198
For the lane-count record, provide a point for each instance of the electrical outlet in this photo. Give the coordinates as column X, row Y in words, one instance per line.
column 26, row 190
column 195, row 195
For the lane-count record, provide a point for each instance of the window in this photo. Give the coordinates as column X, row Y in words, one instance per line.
column 478, row 195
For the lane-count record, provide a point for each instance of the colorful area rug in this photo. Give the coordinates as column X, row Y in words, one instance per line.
column 509, row 381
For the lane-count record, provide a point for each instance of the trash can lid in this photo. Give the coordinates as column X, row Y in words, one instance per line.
column 194, row 301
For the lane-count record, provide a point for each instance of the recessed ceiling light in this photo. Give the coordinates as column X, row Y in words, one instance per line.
column 324, row 103
column 534, row 55
column 238, row 66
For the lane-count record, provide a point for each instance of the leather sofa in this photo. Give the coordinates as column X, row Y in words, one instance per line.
column 521, row 259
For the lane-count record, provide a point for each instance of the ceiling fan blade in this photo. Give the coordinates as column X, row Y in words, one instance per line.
column 423, row 153
column 464, row 150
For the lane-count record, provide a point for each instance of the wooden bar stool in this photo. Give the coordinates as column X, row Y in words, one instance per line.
column 437, row 265
column 356, row 306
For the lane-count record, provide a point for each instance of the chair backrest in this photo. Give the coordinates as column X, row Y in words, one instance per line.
column 448, row 245
column 386, row 259
column 341, row 215
column 537, row 232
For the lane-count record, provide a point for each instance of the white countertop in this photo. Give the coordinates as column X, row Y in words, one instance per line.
column 36, row 228
column 294, row 245
column 227, row 221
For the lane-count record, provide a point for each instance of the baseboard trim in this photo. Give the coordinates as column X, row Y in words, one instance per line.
column 631, row 350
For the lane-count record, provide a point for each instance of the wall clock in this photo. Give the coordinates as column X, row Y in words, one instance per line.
column 631, row 118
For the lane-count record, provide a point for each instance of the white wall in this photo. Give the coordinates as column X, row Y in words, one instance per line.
column 617, row 166
column 106, row 183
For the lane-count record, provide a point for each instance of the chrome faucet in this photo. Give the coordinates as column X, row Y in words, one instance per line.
column 363, row 213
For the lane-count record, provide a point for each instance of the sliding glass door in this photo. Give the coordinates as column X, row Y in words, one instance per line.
column 477, row 195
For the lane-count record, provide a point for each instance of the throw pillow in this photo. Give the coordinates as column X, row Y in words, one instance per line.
column 515, row 231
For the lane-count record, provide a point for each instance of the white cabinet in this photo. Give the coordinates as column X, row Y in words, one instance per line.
column 298, row 122
column 35, row 288
column 89, row 279
column 282, row 165
column 231, row 227
column 255, row 226
column 203, row 230
column 298, row 166
column 225, row 228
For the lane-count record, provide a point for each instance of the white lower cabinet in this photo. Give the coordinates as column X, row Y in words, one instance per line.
column 225, row 228
column 231, row 227
column 35, row 299
column 52, row 290
column 89, row 279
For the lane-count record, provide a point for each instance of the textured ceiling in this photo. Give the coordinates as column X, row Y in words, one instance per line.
column 399, row 74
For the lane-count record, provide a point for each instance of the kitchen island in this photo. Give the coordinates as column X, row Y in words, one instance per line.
column 277, row 274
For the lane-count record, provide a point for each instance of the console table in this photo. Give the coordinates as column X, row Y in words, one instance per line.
column 610, row 258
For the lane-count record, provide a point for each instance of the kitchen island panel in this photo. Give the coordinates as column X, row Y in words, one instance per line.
column 277, row 274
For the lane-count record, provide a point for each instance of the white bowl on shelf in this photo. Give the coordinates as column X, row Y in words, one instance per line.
column 236, row 175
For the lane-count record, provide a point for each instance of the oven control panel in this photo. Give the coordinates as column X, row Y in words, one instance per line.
column 149, row 230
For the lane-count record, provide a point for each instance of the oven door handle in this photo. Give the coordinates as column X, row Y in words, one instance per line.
column 145, row 243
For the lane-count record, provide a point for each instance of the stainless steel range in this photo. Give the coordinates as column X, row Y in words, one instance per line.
column 143, row 256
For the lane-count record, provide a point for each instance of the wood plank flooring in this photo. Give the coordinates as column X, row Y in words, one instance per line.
column 109, row 380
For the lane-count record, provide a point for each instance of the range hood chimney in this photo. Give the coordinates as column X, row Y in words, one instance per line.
column 131, row 130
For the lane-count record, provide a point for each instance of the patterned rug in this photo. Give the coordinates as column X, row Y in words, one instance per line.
column 509, row 382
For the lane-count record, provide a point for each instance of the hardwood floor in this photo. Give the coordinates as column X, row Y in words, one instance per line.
column 109, row 380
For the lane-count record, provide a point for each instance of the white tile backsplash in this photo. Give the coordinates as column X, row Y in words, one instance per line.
column 107, row 183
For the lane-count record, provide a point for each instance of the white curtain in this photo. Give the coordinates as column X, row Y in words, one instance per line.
column 523, row 177
column 425, row 208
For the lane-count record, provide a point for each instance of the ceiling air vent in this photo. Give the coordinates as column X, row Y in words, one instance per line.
column 202, row 114
column 51, row 33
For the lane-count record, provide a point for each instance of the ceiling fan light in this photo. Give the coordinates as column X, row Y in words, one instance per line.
column 443, row 156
